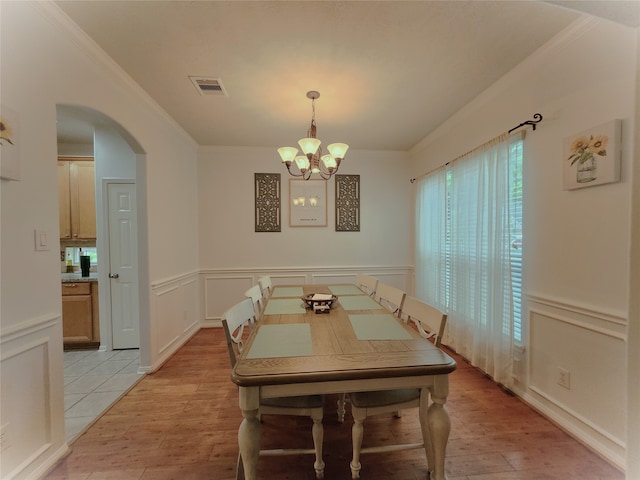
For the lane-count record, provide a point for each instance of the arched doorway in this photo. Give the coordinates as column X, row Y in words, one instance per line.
column 119, row 161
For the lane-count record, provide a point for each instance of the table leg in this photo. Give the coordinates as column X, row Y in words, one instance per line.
column 250, row 432
column 424, row 426
column 439, row 426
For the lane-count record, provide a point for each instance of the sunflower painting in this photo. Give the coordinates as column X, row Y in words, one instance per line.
column 592, row 157
column 9, row 166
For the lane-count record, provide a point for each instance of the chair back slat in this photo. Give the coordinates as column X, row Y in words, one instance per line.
column 390, row 297
column 255, row 294
column 233, row 321
column 265, row 286
column 367, row 283
column 429, row 320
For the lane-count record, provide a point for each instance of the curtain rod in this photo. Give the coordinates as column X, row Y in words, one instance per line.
column 537, row 118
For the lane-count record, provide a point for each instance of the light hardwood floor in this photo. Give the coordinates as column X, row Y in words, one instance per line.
column 181, row 423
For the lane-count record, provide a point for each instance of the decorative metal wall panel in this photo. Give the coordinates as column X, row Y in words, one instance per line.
column 347, row 203
column 268, row 208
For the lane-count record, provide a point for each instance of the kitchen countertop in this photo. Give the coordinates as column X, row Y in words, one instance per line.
column 77, row 277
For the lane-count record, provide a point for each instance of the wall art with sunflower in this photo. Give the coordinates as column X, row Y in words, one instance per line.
column 592, row 157
column 9, row 144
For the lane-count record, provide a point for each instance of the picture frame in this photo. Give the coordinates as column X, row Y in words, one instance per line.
column 267, row 206
column 9, row 144
column 307, row 203
column 592, row 157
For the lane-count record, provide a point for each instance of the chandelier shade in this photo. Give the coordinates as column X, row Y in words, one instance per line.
column 313, row 161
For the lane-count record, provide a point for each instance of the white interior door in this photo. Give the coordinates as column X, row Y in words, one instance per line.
column 123, row 264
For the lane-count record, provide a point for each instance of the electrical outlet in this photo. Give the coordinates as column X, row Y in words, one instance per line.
column 564, row 378
column 4, row 437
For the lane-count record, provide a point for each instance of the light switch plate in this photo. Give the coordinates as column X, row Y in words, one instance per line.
column 41, row 240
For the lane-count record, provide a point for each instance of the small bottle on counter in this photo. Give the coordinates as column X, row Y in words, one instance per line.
column 69, row 264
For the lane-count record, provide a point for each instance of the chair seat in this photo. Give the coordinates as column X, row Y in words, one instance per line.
column 383, row 397
column 304, row 401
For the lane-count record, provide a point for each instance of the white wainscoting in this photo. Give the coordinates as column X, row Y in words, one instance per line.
column 176, row 316
column 591, row 346
column 32, row 406
column 222, row 289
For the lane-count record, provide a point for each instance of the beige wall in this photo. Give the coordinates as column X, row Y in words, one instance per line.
column 38, row 44
column 232, row 251
column 633, row 352
column 195, row 201
column 576, row 249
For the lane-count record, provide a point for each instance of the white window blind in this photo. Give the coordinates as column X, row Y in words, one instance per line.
column 515, row 206
column 469, row 252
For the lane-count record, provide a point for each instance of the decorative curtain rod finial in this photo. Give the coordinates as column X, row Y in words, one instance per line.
column 537, row 118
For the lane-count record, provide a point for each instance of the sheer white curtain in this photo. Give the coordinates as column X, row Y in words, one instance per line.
column 463, row 255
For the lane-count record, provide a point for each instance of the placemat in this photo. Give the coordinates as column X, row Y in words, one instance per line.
column 290, row 340
column 287, row 292
column 284, row 306
column 359, row 302
column 378, row 327
column 345, row 290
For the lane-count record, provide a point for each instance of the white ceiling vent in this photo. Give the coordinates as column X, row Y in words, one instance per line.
column 208, row 86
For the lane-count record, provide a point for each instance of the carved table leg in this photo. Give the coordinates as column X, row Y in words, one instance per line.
column 357, row 432
column 424, row 426
column 250, row 432
column 439, row 426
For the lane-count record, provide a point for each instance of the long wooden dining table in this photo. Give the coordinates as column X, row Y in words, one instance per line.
column 357, row 346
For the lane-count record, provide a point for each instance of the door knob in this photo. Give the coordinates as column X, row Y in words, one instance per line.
column 114, row 275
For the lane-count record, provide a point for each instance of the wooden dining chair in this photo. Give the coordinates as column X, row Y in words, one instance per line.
column 430, row 322
column 265, row 286
column 234, row 322
column 255, row 294
column 391, row 298
column 367, row 283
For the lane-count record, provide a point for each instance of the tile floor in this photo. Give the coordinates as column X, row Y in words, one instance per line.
column 93, row 381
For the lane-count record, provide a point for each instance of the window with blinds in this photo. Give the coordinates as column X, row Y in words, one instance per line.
column 515, row 233
column 469, row 245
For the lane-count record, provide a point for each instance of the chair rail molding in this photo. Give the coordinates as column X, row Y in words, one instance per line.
column 222, row 287
column 175, row 310
column 32, row 397
column 615, row 317
column 575, row 366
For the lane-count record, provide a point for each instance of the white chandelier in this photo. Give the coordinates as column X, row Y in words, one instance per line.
column 313, row 161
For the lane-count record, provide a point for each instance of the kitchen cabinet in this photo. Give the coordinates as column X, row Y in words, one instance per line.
column 77, row 198
column 80, row 317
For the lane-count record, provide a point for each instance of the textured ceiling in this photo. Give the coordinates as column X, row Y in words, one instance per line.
column 388, row 72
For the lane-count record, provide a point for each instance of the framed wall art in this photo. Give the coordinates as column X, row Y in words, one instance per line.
column 347, row 203
column 307, row 203
column 592, row 157
column 268, row 202
column 9, row 144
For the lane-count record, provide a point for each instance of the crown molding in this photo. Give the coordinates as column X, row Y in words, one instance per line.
column 98, row 56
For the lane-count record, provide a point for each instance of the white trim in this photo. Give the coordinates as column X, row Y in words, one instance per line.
column 176, row 278
column 579, row 324
column 574, row 429
column 577, row 416
column 400, row 276
column 50, row 464
column 170, row 350
column 591, row 311
column 14, row 332
column 349, row 269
